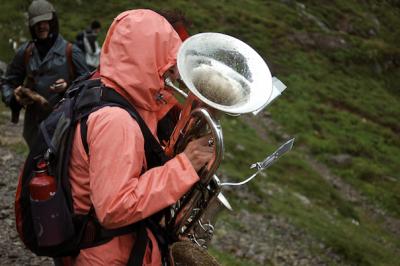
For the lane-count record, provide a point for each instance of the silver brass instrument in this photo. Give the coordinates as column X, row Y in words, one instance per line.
column 222, row 74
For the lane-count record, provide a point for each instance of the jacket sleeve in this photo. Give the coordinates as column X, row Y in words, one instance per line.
column 14, row 77
column 78, row 59
column 16, row 70
column 121, row 194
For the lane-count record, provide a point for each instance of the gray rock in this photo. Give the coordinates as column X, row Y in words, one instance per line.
column 342, row 159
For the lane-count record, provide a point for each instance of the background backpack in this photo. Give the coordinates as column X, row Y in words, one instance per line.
column 50, row 227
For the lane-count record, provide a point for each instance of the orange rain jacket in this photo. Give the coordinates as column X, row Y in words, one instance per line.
column 140, row 46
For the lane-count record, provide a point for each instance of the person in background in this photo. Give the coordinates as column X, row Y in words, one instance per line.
column 87, row 42
column 41, row 70
column 178, row 21
column 115, row 178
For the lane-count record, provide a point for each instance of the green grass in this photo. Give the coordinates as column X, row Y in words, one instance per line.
column 341, row 100
column 329, row 217
column 358, row 244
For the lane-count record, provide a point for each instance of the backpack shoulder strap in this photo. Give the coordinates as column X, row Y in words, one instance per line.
column 155, row 155
column 139, row 247
column 84, row 134
column 28, row 53
column 71, row 67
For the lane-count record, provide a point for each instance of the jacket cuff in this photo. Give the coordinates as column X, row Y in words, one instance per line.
column 187, row 166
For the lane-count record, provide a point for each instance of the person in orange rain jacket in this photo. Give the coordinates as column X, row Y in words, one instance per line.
column 139, row 49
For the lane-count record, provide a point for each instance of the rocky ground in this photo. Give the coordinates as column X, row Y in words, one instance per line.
column 271, row 240
column 12, row 250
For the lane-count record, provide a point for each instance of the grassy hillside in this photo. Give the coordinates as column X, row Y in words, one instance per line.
column 341, row 63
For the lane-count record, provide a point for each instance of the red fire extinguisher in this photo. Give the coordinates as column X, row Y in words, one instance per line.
column 42, row 186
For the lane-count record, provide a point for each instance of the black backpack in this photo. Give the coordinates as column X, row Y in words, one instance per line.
column 39, row 220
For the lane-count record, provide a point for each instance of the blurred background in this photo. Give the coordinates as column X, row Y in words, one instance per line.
column 334, row 199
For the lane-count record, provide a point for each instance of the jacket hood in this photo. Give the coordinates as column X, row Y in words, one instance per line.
column 45, row 45
column 139, row 48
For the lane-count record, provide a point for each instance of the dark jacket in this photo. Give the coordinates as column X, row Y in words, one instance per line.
column 44, row 72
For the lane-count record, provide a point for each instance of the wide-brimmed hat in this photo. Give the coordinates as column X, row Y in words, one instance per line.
column 40, row 10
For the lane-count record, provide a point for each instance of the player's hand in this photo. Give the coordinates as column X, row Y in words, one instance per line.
column 199, row 152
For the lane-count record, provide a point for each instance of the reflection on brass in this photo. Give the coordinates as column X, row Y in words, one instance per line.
column 216, row 87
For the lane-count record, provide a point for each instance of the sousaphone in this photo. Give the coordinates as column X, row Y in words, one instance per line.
column 220, row 74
